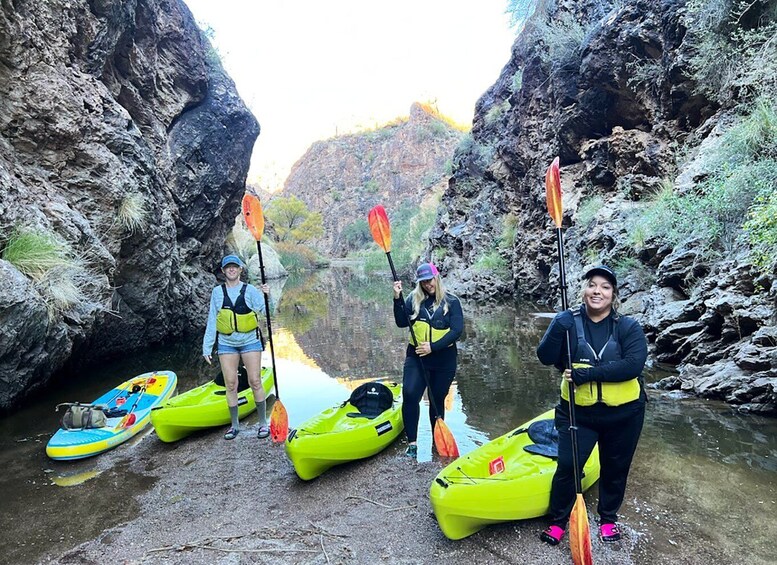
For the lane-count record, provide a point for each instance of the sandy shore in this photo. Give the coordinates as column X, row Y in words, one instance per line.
column 216, row 501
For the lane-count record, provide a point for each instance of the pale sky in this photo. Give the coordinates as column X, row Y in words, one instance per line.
column 310, row 69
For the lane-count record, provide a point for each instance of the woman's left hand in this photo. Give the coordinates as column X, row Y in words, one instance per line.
column 568, row 375
column 265, row 288
column 424, row 348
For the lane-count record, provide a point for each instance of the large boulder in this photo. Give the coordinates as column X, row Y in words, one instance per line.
column 122, row 138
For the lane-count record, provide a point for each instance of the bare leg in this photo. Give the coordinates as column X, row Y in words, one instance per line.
column 253, row 363
column 229, row 364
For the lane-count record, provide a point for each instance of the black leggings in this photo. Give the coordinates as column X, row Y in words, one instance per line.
column 413, row 386
column 617, row 429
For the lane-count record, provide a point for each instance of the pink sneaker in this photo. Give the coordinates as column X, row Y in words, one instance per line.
column 552, row 535
column 609, row 532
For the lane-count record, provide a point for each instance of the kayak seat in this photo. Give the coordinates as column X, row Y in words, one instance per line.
column 370, row 399
column 545, row 437
column 360, row 415
column 242, row 380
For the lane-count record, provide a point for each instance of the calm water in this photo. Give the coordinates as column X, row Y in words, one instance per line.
column 699, row 463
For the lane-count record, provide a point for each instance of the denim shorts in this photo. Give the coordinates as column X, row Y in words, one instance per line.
column 227, row 349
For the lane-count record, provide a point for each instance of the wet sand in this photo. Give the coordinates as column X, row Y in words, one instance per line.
column 217, row 501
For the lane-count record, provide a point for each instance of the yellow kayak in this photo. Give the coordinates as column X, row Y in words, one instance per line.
column 131, row 401
column 341, row 434
column 498, row 482
column 203, row 407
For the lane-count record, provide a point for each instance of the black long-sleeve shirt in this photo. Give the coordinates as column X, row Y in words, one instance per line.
column 552, row 349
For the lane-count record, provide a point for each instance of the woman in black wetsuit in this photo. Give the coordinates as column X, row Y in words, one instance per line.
column 437, row 322
column 608, row 354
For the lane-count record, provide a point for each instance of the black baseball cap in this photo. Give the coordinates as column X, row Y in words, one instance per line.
column 604, row 271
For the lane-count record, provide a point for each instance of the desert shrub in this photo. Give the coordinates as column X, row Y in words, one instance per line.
column 628, row 265
column 496, row 112
column 466, row 144
column 438, row 128
column 493, row 262
column 645, row 75
column 296, row 257
column 761, row 230
column 357, row 234
column 587, row 210
column 133, row 212
column 506, row 238
column 562, row 39
column 736, row 54
column 371, row 186
column 35, row 252
column 410, row 226
column 715, row 212
column 63, row 288
column 754, row 138
column 292, row 221
column 517, row 83
column 429, row 179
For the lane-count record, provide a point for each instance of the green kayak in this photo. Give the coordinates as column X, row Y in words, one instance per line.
column 341, row 434
column 506, row 479
column 203, row 407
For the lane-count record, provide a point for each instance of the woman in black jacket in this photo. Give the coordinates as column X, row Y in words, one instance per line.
column 608, row 354
column 437, row 322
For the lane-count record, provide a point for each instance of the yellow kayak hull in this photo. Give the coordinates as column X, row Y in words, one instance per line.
column 332, row 437
column 466, row 497
column 203, row 407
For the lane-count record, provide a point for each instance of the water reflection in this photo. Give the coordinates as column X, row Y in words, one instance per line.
column 707, row 468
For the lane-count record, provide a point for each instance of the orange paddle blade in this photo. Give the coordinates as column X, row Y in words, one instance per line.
column 380, row 227
column 579, row 534
column 253, row 216
column 443, row 440
column 553, row 192
column 279, row 422
column 127, row 421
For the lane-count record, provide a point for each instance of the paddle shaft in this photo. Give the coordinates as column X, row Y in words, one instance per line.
column 126, row 418
column 414, row 341
column 571, row 387
column 267, row 315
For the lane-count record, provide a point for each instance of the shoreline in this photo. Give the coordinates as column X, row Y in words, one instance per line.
column 375, row 510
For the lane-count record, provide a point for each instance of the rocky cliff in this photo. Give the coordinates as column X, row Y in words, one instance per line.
column 396, row 165
column 124, row 147
column 613, row 88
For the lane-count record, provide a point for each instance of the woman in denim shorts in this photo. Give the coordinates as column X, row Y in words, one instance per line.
column 235, row 308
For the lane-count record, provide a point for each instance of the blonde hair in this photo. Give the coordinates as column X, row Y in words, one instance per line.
column 418, row 295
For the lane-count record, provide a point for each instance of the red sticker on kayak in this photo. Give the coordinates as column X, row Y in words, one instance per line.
column 497, row 465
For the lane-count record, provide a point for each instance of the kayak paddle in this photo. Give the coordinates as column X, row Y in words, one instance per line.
column 579, row 532
column 381, row 233
column 130, row 418
column 254, row 218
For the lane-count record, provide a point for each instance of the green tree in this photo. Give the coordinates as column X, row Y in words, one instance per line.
column 292, row 221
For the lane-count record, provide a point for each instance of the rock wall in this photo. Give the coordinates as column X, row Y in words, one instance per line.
column 619, row 137
column 395, row 165
column 110, row 106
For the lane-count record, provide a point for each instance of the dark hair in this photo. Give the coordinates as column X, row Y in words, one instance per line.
column 616, row 300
